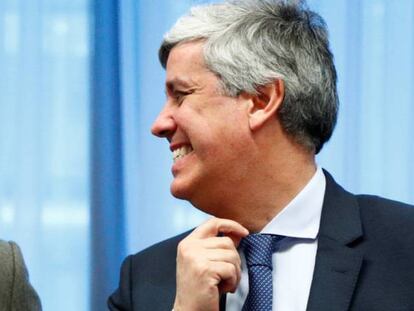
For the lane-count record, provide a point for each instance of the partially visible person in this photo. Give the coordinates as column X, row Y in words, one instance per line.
column 16, row 292
column 251, row 98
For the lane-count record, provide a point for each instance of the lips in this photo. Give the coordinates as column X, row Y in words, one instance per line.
column 181, row 152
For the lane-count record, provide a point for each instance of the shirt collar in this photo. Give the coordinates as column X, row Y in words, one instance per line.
column 301, row 217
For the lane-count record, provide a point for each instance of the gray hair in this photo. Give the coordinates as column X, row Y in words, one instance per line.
column 250, row 43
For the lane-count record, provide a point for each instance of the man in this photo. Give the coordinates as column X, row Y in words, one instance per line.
column 251, row 98
column 16, row 293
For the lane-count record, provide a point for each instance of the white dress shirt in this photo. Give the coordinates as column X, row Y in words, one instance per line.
column 294, row 262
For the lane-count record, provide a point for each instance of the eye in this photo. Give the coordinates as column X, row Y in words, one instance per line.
column 180, row 95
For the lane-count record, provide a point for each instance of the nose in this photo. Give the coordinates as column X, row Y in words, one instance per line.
column 164, row 125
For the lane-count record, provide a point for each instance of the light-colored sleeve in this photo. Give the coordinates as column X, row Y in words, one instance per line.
column 16, row 292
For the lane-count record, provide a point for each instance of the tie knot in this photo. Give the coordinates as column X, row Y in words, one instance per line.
column 259, row 248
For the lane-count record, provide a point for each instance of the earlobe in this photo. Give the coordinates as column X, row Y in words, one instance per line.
column 264, row 105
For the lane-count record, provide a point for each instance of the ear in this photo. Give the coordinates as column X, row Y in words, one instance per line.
column 265, row 104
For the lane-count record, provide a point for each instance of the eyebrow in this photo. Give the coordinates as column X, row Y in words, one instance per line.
column 178, row 82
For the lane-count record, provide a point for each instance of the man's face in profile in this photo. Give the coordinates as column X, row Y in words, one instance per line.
column 207, row 130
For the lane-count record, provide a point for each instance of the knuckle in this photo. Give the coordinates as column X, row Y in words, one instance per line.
column 184, row 249
column 228, row 242
column 180, row 247
column 202, row 268
column 233, row 270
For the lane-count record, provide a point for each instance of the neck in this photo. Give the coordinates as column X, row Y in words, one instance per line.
column 275, row 188
column 259, row 209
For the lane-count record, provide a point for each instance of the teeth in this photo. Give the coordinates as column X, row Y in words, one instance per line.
column 181, row 152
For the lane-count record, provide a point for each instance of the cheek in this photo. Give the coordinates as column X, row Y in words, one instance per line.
column 216, row 128
column 232, row 145
column 235, row 129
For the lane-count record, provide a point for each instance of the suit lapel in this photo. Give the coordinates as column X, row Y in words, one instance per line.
column 336, row 274
column 338, row 260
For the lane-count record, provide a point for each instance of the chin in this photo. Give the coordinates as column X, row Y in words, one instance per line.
column 196, row 199
column 179, row 191
column 200, row 195
column 188, row 186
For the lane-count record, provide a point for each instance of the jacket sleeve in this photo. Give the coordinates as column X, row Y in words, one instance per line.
column 23, row 295
column 121, row 300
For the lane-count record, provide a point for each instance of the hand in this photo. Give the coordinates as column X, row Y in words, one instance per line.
column 208, row 265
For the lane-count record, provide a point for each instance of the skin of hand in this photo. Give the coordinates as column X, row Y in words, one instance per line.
column 208, row 265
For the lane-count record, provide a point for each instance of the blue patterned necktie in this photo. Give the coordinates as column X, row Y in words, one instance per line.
column 258, row 250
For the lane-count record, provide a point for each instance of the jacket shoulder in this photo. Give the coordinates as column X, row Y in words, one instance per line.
column 6, row 274
column 389, row 222
column 16, row 292
column 159, row 253
column 378, row 209
column 148, row 276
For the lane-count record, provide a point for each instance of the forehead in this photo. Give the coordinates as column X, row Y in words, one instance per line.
column 187, row 51
column 186, row 62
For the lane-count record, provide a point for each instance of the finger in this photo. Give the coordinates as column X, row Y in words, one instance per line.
column 228, row 277
column 224, row 255
column 221, row 242
column 215, row 226
column 229, row 241
column 236, row 239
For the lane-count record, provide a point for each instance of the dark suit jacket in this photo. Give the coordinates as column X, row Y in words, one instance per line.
column 364, row 261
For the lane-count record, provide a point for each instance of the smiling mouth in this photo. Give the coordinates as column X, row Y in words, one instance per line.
column 181, row 152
